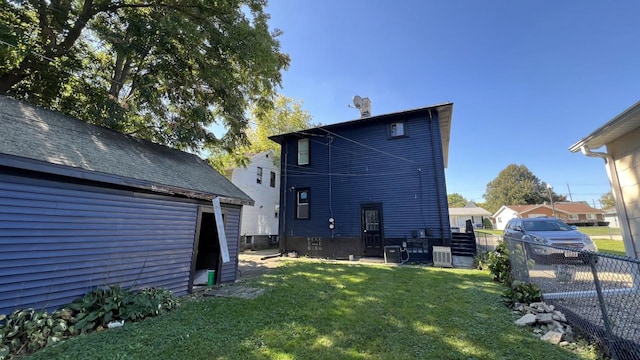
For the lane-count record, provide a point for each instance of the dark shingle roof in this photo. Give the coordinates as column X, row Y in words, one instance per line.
column 46, row 136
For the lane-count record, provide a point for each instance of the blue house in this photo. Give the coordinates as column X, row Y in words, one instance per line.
column 82, row 207
column 356, row 187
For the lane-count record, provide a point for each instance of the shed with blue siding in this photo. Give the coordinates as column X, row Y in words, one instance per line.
column 355, row 187
column 82, row 207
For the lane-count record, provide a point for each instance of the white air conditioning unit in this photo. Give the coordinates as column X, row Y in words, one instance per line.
column 442, row 256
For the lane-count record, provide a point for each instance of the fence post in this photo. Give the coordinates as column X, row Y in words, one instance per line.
column 593, row 259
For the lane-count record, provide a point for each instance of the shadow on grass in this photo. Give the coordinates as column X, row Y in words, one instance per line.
column 314, row 310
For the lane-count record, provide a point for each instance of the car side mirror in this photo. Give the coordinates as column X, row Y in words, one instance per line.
column 517, row 228
column 573, row 227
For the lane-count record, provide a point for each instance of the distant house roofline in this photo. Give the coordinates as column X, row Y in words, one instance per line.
column 445, row 112
column 563, row 207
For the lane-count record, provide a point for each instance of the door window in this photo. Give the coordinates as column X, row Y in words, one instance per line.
column 372, row 220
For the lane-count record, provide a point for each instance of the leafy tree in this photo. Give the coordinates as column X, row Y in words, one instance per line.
column 287, row 115
column 456, row 200
column 517, row 185
column 607, row 201
column 159, row 70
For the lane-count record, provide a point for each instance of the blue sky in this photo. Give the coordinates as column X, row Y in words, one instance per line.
column 527, row 78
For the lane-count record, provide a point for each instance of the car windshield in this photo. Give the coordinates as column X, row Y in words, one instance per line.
column 550, row 225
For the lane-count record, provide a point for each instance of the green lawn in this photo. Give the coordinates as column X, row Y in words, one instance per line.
column 615, row 247
column 314, row 310
column 589, row 230
column 599, row 230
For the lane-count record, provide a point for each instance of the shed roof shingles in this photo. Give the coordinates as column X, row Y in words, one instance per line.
column 52, row 137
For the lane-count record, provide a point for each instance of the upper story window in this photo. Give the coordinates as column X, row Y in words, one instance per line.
column 259, row 176
column 272, row 181
column 303, row 152
column 397, row 129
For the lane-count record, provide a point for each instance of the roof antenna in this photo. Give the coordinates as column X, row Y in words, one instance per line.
column 363, row 105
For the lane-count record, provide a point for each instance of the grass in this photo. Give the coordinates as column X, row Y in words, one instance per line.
column 599, row 230
column 314, row 310
column 614, row 247
column 589, row 230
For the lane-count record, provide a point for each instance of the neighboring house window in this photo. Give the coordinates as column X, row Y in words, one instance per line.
column 572, row 217
column 303, row 152
column 499, row 219
column 259, row 177
column 397, row 129
column 302, row 208
column 272, row 183
column 536, row 215
column 592, row 217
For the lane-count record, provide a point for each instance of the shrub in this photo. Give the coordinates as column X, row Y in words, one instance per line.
column 150, row 302
column 480, row 261
column 101, row 306
column 521, row 292
column 25, row 331
column 499, row 265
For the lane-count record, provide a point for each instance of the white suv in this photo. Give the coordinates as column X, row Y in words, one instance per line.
column 549, row 232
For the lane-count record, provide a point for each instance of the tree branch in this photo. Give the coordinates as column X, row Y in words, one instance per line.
column 87, row 13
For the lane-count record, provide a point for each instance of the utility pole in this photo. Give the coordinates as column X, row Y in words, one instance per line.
column 553, row 209
column 570, row 197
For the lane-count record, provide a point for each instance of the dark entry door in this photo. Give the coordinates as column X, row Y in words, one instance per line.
column 372, row 229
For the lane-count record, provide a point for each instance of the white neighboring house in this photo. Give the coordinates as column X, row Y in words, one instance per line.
column 458, row 216
column 503, row 215
column 611, row 216
column 261, row 181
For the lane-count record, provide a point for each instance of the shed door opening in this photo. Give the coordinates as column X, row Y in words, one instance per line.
column 208, row 256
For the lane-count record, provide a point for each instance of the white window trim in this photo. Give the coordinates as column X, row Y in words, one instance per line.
column 302, row 153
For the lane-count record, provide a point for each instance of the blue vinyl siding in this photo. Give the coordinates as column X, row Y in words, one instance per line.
column 357, row 174
column 232, row 231
column 60, row 240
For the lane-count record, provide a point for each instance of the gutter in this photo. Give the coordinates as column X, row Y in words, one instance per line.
column 632, row 250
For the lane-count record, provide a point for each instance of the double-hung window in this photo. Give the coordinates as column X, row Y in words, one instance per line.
column 259, row 176
column 396, row 129
column 272, row 180
column 303, row 152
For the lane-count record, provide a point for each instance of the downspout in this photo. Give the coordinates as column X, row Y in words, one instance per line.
column 283, row 208
column 433, row 157
column 632, row 249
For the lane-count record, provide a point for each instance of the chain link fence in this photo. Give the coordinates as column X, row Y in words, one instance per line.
column 598, row 293
column 486, row 241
